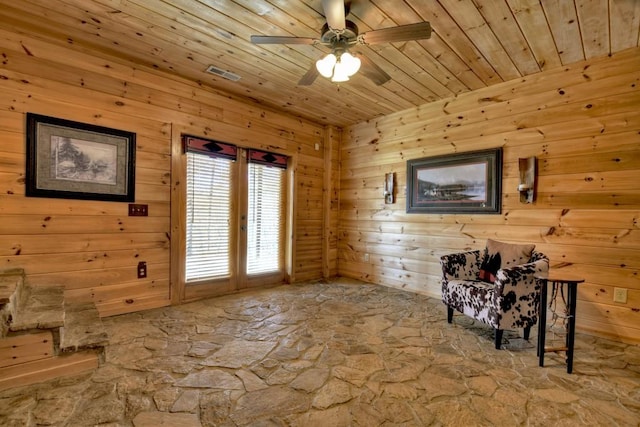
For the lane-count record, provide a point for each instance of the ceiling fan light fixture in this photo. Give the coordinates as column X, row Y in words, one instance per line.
column 340, row 73
column 350, row 63
column 339, row 67
column 325, row 65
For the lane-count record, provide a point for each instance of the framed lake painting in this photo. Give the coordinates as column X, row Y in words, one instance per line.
column 73, row 160
column 469, row 183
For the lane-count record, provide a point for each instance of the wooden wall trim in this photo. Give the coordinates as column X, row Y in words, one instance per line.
column 178, row 212
column 330, row 203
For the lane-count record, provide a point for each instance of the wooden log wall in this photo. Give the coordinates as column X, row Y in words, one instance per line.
column 583, row 124
column 93, row 247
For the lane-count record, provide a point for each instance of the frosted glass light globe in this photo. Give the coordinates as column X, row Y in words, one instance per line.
column 326, row 64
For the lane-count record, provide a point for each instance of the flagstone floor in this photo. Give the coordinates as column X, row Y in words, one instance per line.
column 341, row 353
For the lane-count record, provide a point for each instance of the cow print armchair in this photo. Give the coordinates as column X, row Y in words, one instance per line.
column 495, row 286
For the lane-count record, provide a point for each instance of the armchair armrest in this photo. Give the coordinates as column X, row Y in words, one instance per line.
column 517, row 292
column 462, row 266
column 520, row 278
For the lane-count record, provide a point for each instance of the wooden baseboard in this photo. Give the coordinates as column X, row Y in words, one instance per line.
column 47, row 369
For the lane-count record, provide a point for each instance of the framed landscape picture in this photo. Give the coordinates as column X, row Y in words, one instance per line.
column 72, row 160
column 468, row 183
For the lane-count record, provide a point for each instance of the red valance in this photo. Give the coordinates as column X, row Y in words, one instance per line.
column 267, row 158
column 210, row 147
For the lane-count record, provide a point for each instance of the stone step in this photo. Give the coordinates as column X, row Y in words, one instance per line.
column 42, row 337
column 10, row 281
column 83, row 328
column 40, row 307
column 11, row 291
column 8, row 284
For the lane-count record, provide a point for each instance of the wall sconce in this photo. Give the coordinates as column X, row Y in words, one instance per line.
column 389, row 179
column 527, row 184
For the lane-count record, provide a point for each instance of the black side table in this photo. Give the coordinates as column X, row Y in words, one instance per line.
column 558, row 279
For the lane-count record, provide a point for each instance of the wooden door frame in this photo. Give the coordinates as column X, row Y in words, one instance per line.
column 179, row 292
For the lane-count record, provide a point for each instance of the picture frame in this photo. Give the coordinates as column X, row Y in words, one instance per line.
column 461, row 183
column 74, row 160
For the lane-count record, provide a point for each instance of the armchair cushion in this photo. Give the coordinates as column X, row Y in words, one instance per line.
column 499, row 255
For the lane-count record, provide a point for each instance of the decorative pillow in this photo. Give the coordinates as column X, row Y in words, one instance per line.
column 499, row 255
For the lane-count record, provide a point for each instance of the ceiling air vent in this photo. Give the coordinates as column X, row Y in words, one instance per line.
column 222, row 73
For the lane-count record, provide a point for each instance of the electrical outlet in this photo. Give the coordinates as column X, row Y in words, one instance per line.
column 142, row 270
column 620, row 295
column 366, row 257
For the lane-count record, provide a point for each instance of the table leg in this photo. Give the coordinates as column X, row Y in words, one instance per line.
column 573, row 296
column 542, row 321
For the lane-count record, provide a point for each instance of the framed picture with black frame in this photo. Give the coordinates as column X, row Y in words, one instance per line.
column 73, row 160
column 461, row 183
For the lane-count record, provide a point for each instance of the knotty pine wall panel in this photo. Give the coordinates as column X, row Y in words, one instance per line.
column 93, row 247
column 331, row 200
column 582, row 123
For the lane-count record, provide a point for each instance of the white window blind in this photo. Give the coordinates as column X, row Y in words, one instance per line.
column 265, row 219
column 208, row 207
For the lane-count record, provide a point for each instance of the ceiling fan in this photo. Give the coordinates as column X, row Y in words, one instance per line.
column 340, row 34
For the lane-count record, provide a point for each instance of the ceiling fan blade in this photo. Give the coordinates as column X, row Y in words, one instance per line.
column 281, row 40
column 421, row 30
column 334, row 12
column 371, row 71
column 310, row 76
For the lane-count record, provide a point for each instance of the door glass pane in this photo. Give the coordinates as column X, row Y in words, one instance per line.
column 208, row 216
column 264, row 219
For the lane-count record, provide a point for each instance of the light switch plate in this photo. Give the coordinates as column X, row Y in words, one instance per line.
column 138, row 209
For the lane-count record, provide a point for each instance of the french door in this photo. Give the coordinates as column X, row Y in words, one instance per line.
column 235, row 219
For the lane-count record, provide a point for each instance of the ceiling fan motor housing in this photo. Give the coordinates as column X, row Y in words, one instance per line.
column 329, row 36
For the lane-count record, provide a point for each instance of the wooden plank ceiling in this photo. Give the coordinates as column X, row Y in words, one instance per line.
column 475, row 43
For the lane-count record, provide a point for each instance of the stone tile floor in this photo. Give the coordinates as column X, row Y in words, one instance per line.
column 342, row 353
